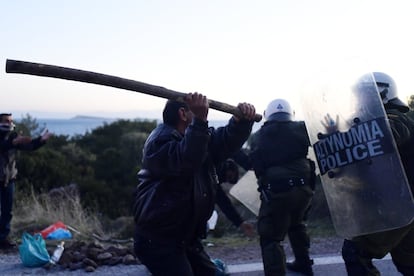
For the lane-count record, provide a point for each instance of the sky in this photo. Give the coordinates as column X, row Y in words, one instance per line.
column 229, row 50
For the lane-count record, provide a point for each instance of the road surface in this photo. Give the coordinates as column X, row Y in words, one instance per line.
column 324, row 266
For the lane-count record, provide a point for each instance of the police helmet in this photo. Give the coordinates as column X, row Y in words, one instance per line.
column 278, row 110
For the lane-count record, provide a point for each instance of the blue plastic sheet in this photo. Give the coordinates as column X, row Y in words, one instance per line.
column 59, row 234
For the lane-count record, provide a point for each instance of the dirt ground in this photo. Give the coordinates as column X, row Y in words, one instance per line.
column 249, row 250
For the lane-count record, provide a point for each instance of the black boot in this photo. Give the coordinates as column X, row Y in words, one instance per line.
column 7, row 244
column 300, row 243
column 304, row 268
column 357, row 262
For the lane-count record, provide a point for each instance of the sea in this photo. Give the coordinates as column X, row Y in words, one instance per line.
column 80, row 125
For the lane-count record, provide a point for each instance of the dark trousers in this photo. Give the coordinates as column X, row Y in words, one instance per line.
column 6, row 205
column 284, row 213
column 359, row 251
column 171, row 259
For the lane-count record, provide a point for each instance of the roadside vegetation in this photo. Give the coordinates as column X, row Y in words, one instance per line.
column 34, row 212
column 87, row 181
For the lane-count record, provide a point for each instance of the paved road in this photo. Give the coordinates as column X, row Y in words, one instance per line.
column 324, row 266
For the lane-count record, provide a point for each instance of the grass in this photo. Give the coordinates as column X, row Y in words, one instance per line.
column 231, row 239
column 34, row 212
column 226, row 235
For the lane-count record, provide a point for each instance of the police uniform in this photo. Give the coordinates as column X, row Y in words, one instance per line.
column 285, row 178
column 358, row 252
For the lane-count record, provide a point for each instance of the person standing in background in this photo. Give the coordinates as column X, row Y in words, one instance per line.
column 10, row 143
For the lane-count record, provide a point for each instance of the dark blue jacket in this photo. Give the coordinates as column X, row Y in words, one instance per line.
column 177, row 183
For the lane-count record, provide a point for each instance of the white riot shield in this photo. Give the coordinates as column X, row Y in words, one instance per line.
column 245, row 191
column 362, row 175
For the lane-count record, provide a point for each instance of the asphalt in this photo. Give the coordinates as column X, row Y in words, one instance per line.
column 323, row 265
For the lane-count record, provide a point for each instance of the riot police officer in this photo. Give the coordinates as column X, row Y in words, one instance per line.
column 285, row 176
column 359, row 251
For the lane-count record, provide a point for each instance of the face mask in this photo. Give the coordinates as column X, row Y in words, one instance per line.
column 6, row 127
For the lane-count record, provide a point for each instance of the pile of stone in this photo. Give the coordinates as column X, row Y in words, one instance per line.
column 88, row 256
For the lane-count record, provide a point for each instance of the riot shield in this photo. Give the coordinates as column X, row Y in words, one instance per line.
column 245, row 191
column 362, row 175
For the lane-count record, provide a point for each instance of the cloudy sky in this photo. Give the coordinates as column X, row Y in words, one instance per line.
column 230, row 50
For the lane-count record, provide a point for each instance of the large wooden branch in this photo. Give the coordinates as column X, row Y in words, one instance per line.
column 45, row 70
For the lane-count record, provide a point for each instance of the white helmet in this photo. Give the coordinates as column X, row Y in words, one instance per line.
column 278, row 110
column 386, row 88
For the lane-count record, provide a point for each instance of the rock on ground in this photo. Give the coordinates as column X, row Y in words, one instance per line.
column 10, row 263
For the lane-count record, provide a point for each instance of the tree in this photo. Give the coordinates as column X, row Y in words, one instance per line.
column 103, row 163
column 28, row 126
column 117, row 148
